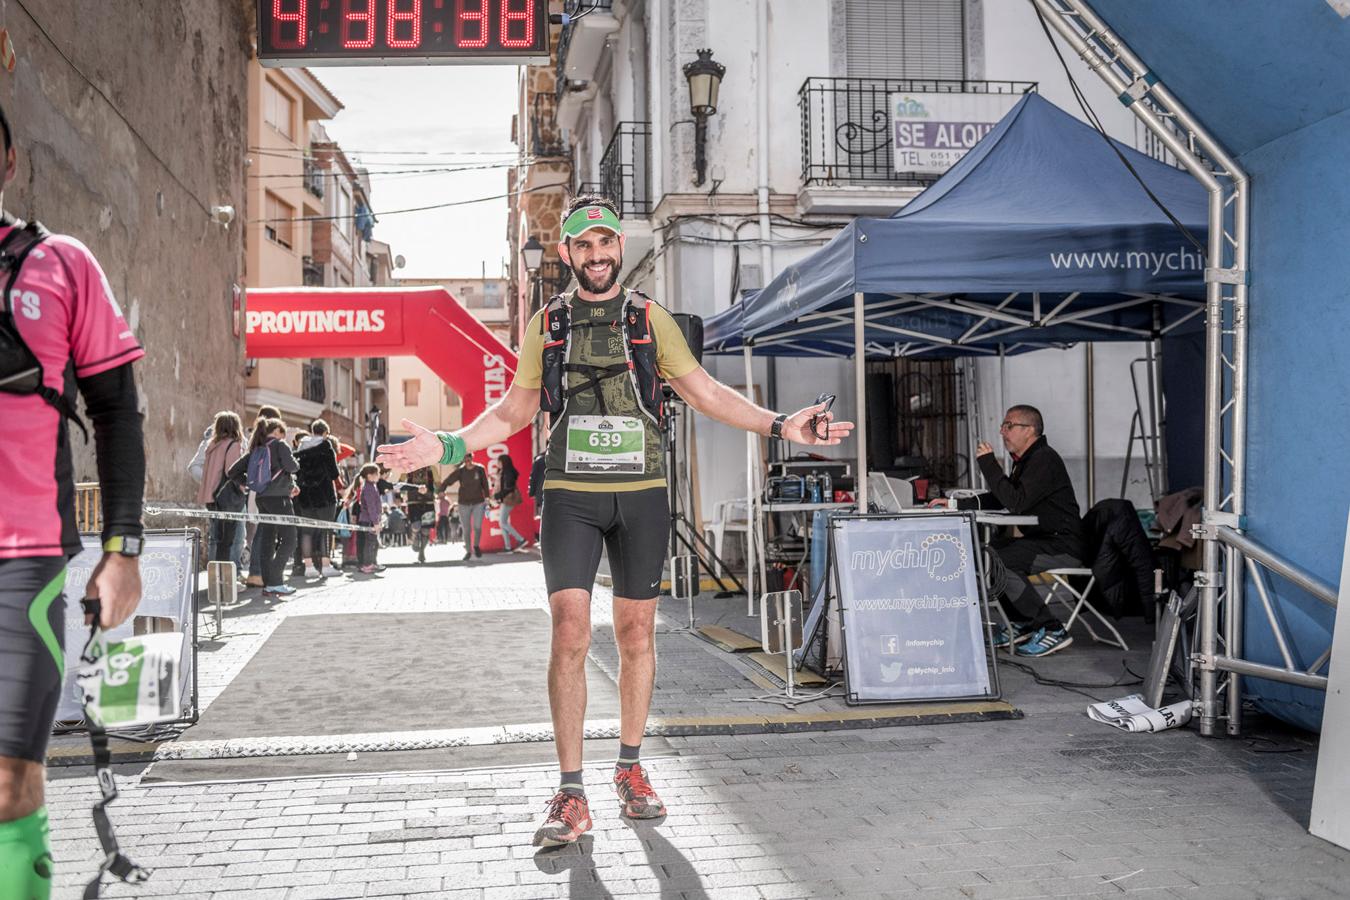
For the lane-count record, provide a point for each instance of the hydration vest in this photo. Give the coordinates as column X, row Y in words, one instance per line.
column 639, row 349
column 20, row 369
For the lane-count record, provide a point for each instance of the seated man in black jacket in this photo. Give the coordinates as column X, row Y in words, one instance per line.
column 1038, row 486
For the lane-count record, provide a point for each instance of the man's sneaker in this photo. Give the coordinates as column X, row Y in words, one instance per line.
column 639, row 800
column 568, row 818
column 279, row 590
column 329, row 571
column 1021, row 633
column 1044, row 642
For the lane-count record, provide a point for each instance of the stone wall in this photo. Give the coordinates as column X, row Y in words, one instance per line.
column 129, row 119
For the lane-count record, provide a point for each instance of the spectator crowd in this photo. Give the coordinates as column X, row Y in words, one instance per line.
column 273, row 469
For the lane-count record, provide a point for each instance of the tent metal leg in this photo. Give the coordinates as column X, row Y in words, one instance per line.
column 860, row 390
column 1090, row 430
column 751, row 494
column 1226, row 277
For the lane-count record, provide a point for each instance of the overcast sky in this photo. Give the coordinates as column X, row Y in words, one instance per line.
column 421, row 117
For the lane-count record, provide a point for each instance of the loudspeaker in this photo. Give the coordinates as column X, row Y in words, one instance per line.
column 691, row 327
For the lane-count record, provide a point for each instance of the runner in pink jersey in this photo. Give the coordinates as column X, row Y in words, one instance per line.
column 56, row 309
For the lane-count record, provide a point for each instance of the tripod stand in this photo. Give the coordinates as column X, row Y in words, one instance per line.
column 681, row 535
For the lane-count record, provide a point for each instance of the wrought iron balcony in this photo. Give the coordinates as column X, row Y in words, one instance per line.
column 545, row 135
column 313, row 385
column 554, row 278
column 311, row 272
column 582, row 188
column 313, row 178
column 624, row 169
column 846, row 125
column 575, row 9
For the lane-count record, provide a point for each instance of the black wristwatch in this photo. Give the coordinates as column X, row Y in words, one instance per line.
column 776, row 429
column 125, row 544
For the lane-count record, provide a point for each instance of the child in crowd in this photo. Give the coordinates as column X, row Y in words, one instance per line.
column 363, row 500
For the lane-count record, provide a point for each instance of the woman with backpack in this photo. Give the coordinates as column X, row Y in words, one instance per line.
column 226, row 539
column 317, row 456
column 269, row 470
column 508, row 494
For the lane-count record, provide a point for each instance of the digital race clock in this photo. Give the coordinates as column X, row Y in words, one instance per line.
column 354, row 32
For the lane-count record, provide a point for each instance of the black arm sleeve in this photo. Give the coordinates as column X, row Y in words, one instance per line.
column 110, row 401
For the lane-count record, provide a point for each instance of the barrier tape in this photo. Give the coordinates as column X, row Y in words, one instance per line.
column 258, row 518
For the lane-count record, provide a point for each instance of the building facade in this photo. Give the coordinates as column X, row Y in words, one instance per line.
column 142, row 176
column 799, row 144
column 315, row 228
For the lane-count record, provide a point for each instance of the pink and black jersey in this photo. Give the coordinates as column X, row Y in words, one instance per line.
column 65, row 312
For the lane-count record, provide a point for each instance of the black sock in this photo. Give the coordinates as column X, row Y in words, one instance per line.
column 572, row 784
column 628, row 755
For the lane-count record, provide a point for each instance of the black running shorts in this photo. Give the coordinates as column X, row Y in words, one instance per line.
column 634, row 526
column 32, row 642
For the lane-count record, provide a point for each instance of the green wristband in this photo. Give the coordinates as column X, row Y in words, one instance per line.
column 453, row 448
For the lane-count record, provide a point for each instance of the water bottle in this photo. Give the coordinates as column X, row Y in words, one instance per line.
column 826, row 486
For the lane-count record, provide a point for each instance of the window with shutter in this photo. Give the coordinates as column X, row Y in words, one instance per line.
column 905, row 39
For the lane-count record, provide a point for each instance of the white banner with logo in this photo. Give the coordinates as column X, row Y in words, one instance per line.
column 932, row 131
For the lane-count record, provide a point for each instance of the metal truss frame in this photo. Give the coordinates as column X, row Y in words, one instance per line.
column 1229, row 556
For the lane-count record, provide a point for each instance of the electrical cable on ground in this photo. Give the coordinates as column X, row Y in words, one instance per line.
column 1076, row 685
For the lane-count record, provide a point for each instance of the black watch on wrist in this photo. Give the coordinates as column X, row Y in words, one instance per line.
column 776, row 430
column 125, row 544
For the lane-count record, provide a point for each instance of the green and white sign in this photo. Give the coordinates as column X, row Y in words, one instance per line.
column 606, row 444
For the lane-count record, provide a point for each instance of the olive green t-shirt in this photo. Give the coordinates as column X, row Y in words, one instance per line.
column 597, row 340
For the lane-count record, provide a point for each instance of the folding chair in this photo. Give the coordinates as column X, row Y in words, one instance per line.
column 728, row 515
column 1060, row 578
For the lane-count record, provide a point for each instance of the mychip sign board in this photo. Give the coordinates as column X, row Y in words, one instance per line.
column 932, row 131
column 912, row 608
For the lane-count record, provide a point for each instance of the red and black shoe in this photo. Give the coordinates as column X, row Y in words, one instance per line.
column 568, row 818
column 639, row 800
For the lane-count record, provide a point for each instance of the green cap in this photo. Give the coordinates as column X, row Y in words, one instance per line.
column 588, row 217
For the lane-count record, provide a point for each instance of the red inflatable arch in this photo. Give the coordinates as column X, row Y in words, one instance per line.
column 427, row 323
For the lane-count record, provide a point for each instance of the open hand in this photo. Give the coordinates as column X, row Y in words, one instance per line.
column 798, row 426
column 423, row 449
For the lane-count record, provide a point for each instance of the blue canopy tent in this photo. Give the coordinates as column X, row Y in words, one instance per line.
column 1038, row 237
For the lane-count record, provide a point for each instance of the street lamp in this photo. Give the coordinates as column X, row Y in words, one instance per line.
column 705, row 78
column 533, row 254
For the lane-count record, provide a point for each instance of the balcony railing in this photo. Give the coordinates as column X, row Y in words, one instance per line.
column 313, row 177
column 624, row 175
column 554, row 278
column 377, row 369
column 545, row 135
column 311, row 272
column 312, row 383
column 582, row 188
column 573, row 8
column 846, row 125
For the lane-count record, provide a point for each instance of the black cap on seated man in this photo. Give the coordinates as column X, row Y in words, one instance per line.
column 1039, row 486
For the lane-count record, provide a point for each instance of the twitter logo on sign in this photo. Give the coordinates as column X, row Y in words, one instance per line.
column 891, row 672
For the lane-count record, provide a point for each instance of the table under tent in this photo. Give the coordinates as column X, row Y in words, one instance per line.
column 1039, row 237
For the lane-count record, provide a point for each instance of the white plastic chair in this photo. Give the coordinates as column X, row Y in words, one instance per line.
column 728, row 515
column 1061, row 579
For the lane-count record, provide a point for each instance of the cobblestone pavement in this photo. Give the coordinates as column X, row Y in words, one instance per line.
column 1051, row 805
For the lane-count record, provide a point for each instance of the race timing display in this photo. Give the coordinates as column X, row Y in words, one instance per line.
column 382, row 32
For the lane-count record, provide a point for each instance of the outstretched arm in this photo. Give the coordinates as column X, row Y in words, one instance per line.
column 717, row 401
column 497, row 423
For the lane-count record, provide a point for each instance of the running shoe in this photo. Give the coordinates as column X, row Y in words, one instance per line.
column 279, row 590
column 330, row 571
column 1021, row 633
column 367, row 570
column 313, row 574
column 1044, row 642
column 568, row 818
column 639, row 800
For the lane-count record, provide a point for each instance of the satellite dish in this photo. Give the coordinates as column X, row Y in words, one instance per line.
column 399, row 261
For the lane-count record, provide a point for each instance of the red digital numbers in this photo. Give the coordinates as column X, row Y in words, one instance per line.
column 410, row 17
column 358, row 20
column 510, row 17
column 468, row 17
column 281, row 19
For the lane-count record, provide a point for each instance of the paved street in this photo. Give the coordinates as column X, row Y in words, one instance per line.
column 1047, row 805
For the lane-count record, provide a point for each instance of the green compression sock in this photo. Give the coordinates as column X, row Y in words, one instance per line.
column 26, row 858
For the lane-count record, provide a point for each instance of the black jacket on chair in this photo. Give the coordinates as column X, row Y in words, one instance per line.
column 1122, row 559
